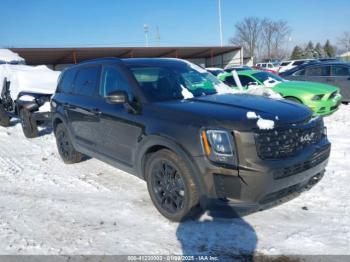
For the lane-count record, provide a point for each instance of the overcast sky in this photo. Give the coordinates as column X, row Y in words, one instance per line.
column 40, row 23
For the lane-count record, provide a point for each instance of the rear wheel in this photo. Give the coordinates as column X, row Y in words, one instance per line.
column 29, row 125
column 65, row 147
column 4, row 119
column 170, row 185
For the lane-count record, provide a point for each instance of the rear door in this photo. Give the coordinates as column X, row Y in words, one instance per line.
column 341, row 78
column 82, row 109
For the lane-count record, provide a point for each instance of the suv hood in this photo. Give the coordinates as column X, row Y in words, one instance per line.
column 230, row 110
column 309, row 87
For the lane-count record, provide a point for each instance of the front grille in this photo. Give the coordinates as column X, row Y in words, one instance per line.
column 287, row 142
column 314, row 161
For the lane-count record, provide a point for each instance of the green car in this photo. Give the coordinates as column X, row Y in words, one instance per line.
column 321, row 98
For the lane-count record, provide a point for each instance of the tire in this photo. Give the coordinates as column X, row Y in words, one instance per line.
column 293, row 99
column 65, row 147
column 29, row 125
column 170, row 185
column 4, row 119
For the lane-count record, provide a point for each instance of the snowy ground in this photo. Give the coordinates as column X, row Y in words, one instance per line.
column 47, row 207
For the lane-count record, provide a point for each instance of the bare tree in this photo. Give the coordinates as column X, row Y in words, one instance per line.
column 262, row 37
column 344, row 41
column 248, row 35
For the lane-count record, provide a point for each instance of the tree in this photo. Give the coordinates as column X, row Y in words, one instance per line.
column 329, row 49
column 248, row 35
column 297, row 53
column 261, row 37
column 309, row 51
column 319, row 52
column 344, row 42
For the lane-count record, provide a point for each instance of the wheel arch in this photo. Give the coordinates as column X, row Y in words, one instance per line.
column 154, row 143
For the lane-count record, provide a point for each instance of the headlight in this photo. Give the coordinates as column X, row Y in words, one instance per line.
column 317, row 97
column 218, row 146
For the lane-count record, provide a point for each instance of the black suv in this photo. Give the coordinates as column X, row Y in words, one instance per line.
column 164, row 121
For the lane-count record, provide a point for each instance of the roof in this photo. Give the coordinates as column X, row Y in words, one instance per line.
column 54, row 56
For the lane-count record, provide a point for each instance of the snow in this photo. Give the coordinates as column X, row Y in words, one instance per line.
column 270, row 82
column 8, row 56
column 263, row 124
column 46, row 107
column 47, row 207
column 263, row 91
column 252, row 115
column 39, row 79
column 186, row 93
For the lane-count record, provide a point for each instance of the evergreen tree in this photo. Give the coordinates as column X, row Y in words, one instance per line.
column 319, row 51
column 329, row 50
column 309, row 51
column 297, row 53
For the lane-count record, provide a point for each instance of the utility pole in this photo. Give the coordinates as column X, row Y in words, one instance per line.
column 145, row 29
column 220, row 23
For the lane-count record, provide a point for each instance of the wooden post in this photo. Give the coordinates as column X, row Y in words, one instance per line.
column 74, row 57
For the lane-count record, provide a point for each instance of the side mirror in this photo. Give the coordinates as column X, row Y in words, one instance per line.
column 117, row 97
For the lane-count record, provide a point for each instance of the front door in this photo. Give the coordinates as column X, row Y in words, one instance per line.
column 119, row 129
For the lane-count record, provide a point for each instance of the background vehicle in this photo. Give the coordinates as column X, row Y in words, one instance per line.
column 322, row 99
column 215, row 70
column 287, row 65
column 237, row 68
column 333, row 73
column 25, row 92
column 170, row 122
column 267, row 66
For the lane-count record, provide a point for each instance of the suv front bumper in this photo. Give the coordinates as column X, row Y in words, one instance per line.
column 262, row 184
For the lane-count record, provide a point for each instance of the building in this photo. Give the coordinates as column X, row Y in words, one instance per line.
column 59, row 58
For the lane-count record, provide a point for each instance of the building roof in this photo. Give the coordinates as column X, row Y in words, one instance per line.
column 54, row 56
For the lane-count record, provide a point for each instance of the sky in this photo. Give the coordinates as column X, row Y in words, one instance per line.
column 87, row 23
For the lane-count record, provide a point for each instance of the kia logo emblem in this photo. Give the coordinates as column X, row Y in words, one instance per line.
column 307, row 137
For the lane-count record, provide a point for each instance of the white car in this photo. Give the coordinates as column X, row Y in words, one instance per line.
column 269, row 66
column 287, row 65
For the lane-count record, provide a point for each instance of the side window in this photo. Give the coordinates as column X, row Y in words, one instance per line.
column 340, row 71
column 66, row 82
column 245, row 80
column 112, row 81
column 230, row 81
column 296, row 63
column 299, row 73
column 318, row 71
column 270, row 65
column 86, row 81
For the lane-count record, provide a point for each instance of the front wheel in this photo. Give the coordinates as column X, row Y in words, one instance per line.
column 65, row 147
column 170, row 185
column 4, row 119
column 29, row 125
column 293, row 99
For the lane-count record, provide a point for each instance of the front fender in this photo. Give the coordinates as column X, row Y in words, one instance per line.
column 154, row 140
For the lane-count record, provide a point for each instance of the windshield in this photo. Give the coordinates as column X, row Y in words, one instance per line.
column 175, row 81
column 263, row 76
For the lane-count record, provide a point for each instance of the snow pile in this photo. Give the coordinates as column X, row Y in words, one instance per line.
column 263, row 124
column 38, row 79
column 8, row 56
column 263, row 91
column 222, row 89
